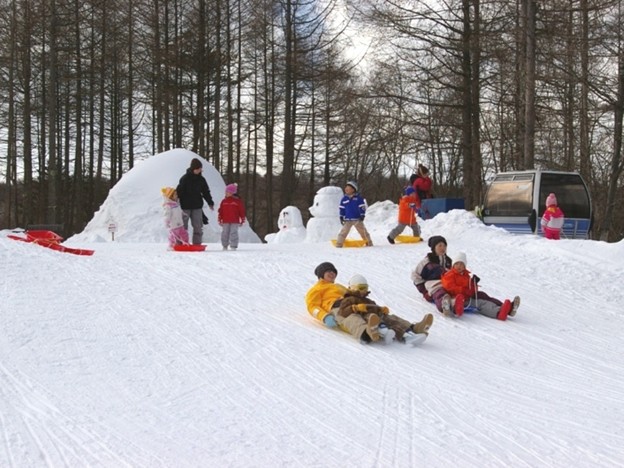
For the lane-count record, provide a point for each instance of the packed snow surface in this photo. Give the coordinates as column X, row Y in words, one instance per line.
column 139, row 356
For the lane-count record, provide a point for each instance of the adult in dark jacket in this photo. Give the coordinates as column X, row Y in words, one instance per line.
column 192, row 191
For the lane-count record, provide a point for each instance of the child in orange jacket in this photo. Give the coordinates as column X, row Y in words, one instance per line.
column 408, row 205
column 460, row 285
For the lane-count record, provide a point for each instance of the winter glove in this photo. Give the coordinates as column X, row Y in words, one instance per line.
column 342, row 220
column 329, row 321
column 412, row 206
column 204, row 218
column 384, row 310
column 476, row 279
column 359, row 308
column 362, row 218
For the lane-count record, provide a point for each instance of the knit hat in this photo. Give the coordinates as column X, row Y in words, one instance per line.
column 168, row 192
column 195, row 164
column 323, row 268
column 353, row 185
column 551, row 200
column 409, row 190
column 435, row 240
column 460, row 257
column 358, row 283
column 231, row 188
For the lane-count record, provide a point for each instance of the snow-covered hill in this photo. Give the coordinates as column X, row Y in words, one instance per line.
column 142, row 357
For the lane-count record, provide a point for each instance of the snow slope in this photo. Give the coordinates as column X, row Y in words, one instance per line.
column 138, row 356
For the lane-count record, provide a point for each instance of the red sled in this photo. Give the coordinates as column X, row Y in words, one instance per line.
column 51, row 240
column 189, row 248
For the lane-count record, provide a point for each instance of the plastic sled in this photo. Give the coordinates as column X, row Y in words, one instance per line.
column 405, row 239
column 189, row 248
column 351, row 243
column 51, row 240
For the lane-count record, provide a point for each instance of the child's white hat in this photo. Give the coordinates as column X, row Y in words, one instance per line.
column 460, row 257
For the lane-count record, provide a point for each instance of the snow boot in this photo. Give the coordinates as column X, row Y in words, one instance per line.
column 504, row 310
column 413, row 339
column 446, row 306
column 514, row 306
column 459, row 305
column 372, row 327
column 423, row 326
column 390, row 239
column 387, row 334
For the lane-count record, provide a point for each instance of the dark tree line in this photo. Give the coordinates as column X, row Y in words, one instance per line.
column 267, row 92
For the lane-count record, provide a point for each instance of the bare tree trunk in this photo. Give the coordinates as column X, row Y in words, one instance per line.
column 52, row 214
column 529, row 116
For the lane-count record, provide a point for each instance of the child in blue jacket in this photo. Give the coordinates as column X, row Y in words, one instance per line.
column 352, row 212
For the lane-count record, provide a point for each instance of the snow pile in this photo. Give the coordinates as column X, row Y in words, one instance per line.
column 134, row 204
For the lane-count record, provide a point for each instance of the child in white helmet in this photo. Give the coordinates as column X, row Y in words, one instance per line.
column 366, row 320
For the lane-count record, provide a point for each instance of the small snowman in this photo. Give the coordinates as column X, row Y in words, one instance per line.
column 325, row 223
column 291, row 228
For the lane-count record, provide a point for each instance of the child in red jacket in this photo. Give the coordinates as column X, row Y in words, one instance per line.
column 231, row 215
column 463, row 288
column 408, row 204
column 552, row 221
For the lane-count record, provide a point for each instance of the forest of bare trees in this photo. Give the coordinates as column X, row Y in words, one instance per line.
column 277, row 97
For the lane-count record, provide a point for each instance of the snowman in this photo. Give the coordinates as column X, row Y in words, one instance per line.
column 325, row 223
column 291, row 228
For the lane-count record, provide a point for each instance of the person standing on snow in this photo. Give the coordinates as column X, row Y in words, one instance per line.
column 352, row 211
column 173, row 218
column 231, row 215
column 552, row 221
column 191, row 189
column 408, row 204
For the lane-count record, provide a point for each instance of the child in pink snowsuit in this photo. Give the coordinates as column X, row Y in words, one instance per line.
column 173, row 217
column 552, row 221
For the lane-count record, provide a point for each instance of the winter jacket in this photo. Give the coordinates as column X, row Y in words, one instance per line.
column 354, row 298
column 321, row 297
column 428, row 273
column 231, row 210
column 422, row 185
column 552, row 222
column 191, row 189
column 458, row 283
column 173, row 214
column 352, row 207
column 407, row 213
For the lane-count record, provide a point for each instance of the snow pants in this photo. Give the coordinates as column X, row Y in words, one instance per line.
column 196, row 221
column 399, row 228
column 178, row 235
column 229, row 235
column 358, row 224
column 355, row 324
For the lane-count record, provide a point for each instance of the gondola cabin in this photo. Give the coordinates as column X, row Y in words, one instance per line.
column 516, row 201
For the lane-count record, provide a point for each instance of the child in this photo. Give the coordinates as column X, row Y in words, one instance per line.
column 428, row 274
column 231, row 214
column 352, row 211
column 459, row 284
column 365, row 320
column 408, row 204
column 553, row 218
column 173, row 217
column 422, row 183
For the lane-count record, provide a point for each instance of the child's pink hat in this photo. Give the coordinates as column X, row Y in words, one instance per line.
column 231, row 188
column 551, row 200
